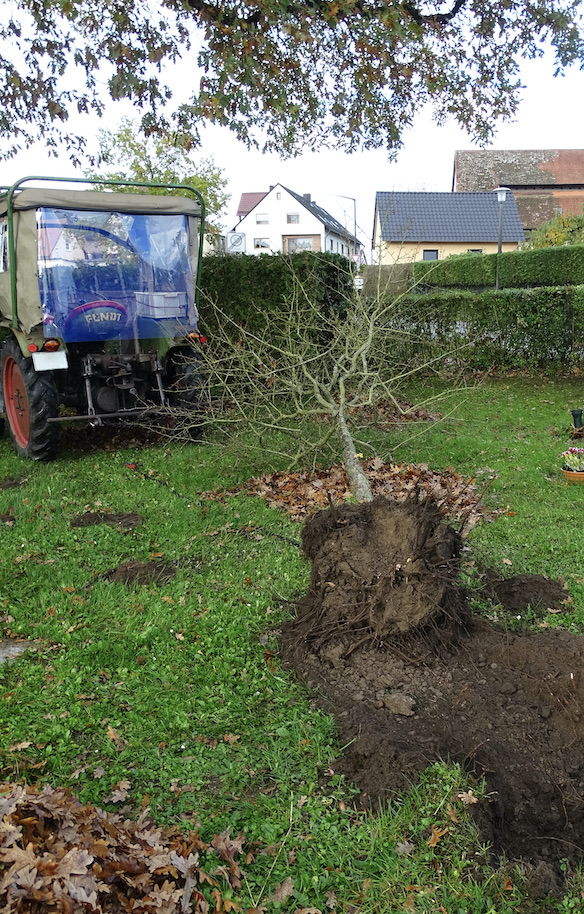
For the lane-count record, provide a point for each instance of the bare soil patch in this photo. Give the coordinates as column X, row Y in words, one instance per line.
column 384, row 636
column 141, row 573
column 92, row 518
column 12, row 482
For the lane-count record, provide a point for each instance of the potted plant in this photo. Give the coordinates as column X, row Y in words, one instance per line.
column 573, row 464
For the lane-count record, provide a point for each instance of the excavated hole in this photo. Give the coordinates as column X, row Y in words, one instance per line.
column 385, row 636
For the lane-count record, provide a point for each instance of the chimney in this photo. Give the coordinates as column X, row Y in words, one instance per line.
column 307, row 197
column 272, row 186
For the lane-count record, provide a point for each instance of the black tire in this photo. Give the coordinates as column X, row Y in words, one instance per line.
column 30, row 398
column 187, row 393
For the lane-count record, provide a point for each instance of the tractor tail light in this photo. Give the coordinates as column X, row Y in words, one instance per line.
column 51, row 346
column 32, row 347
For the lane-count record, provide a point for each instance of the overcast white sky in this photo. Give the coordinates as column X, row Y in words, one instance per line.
column 549, row 117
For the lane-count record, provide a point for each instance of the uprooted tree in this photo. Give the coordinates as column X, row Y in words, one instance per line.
column 307, row 376
column 279, row 73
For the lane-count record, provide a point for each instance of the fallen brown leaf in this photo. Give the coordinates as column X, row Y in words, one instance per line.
column 92, row 861
column 467, row 797
column 437, row 834
column 119, row 792
column 451, row 813
column 282, row 891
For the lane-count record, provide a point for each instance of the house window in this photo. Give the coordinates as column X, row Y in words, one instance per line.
column 278, row 195
column 262, row 219
column 299, row 244
column 474, row 250
column 331, row 244
column 430, row 254
column 260, row 243
column 293, row 218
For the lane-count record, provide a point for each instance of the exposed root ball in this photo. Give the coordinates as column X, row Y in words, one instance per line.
column 381, row 569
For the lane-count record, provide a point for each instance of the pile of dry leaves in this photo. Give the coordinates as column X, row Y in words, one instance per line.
column 58, row 855
column 303, row 492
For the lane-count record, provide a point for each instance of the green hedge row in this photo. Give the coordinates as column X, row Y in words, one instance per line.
column 533, row 327
column 250, row 287
column 555, row 266
column 512, row 328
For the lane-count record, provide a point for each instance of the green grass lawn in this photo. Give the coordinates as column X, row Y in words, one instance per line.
column 175, row 687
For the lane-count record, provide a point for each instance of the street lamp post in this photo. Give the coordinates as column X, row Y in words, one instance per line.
column 501, row 197
column 355, row 243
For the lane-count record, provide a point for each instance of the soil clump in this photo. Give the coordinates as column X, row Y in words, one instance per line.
column 413, row 677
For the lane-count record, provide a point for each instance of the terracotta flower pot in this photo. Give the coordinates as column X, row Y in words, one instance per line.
column 576, row 476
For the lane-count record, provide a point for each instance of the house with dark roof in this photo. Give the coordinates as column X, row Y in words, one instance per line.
column 545, row 182
column 419, row 225
column 282, row 221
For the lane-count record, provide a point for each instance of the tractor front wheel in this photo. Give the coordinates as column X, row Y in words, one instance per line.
column 30, row 400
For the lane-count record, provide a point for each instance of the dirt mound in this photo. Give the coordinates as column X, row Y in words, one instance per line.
column 522, row 590
column 509, row 706
column 12, row 482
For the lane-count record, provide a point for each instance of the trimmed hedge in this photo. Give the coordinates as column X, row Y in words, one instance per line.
column 250, row 287
column 560, row 266
column 533, row 327
column 513, row 328
column 386, row 280
column 465, row 271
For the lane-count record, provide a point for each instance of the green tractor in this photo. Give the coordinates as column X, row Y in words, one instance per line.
column 98, row 307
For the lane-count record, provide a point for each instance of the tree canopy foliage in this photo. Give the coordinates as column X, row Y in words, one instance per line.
column 129, row 156
column 281, row 74
column 562, row 229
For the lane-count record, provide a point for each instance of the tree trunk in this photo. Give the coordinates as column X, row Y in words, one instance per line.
column 357, row 478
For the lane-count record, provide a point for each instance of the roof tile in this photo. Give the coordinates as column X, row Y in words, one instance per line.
column 420, row 216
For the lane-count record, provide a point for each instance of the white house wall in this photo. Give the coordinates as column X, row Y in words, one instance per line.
column 268, row 237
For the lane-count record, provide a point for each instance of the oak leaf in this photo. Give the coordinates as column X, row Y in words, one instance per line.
column 437, row 834
column 467, row 797
column 282, row 891
column 119, row 792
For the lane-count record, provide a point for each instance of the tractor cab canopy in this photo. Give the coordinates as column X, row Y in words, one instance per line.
column 94, row 265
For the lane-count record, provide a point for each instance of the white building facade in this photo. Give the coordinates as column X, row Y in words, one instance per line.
column 284, row 222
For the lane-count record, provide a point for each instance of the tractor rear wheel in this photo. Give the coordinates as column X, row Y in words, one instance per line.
column 30, row 400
